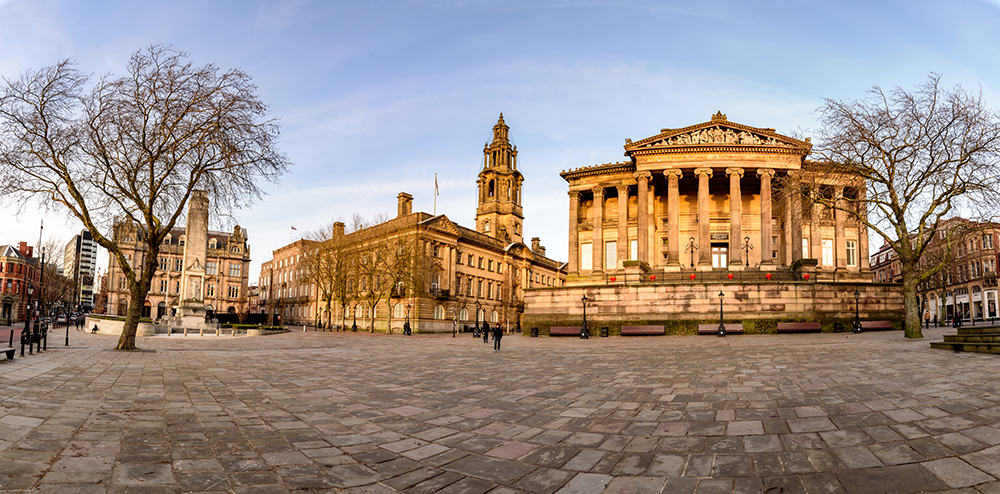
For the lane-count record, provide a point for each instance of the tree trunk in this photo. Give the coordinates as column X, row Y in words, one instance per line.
column 137, row 299
column 911, row 317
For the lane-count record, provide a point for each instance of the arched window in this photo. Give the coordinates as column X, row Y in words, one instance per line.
column 463, row 314
column 213, row 244
column 359, row 311
column 486, row 226
column 494, row 317
column 438, row 312
column 231, row 309
column 397, row 311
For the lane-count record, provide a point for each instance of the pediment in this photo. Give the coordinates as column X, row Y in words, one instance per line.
column 442, row 223
column 717, row 132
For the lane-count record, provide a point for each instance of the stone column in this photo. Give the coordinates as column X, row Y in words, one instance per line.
column 794, row 194
column 574, row 237
column 765, row 175
column 642, row 215
column 839, row 242
column 815, row 231
column 598, row 241
column 863, row 259
column 673, row 218
column 623, row 249
column 735, row 216
column 704, row 242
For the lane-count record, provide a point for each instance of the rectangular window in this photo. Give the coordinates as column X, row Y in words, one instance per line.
column 988, row 241
column 479, row 288
column 480, row 263
column 178, row 264
column 490, row 265
column 633, row 250
column 827, row 252
column 586, row 257
column 234, row 269
column 499, row 268
column 468, row 289
column 852, row 253
column 234, row 291
column 210, row 290
column 212, row 267
column 177, row 287
column 458, row 285
column 163, row 286
column 489, row 290
column 458, row 258
column 611, row 255
column 774, row 247
column 164, row 264
column 470, row 260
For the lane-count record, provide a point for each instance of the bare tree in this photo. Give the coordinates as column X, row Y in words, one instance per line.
column 925, row 155
column 135, row 147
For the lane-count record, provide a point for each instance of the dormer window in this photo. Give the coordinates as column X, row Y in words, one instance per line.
column 166, row 239
column 213, row 244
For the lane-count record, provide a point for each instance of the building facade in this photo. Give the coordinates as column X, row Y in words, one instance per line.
column 226, row 272
column 18, row 270
column 713, row 213
column 885, row 265
column 464, row 276
column 967, row 286
column 80, row 266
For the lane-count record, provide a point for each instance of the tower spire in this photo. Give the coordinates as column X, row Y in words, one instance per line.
column 499, row 212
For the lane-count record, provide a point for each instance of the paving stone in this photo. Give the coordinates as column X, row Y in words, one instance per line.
column 496, row 470
column 635, row 485
column 544, row 480
column 896, row 453
column 957, row 473
column 632, row 465
column 584, row 460
column 987, row 460
column 904, row 479
column 827, row 483
column 586, row 483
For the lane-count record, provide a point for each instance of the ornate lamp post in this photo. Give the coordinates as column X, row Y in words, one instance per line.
column 454, row 322
column 857, row 311
column 475, row 331
column 407, row 326
column 27, row 320
column 584, row 333
column 722, row 327
column 691, row 247
column 747, row 247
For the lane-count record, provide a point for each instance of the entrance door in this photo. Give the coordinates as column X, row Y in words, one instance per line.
column 720, row 256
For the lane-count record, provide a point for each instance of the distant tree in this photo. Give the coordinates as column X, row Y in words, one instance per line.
column 925, row 155
column 135, row 148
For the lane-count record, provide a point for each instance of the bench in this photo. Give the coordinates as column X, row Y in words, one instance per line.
column 799, row 327
column 714, row 328
column 643, row 330
column 876, row 325
column 564, row 331
column 9, row 351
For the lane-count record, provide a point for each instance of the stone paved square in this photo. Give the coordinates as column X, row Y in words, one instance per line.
column 357, row 412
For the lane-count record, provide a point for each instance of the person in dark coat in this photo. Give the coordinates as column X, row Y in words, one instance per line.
column 497, row 336
column 486, row 332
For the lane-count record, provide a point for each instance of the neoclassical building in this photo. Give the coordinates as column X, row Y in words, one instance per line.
column 699, row 215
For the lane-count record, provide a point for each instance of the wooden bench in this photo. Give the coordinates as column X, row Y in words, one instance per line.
column 564, row 331
column 876, row 325
column 714, row 328
column 799, row 327
column 9, row 351
column 643, row 330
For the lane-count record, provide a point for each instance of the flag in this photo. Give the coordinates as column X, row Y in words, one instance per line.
column 436, row 191
column 296, row 229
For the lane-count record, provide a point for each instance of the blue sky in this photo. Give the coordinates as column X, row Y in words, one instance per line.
column 377, row 96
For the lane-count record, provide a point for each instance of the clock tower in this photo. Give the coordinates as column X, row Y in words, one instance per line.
column 499, row 212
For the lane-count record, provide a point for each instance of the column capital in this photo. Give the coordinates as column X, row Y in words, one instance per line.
column 734, row 171
column 642, row 175
column 598, row 190
column 573, row 194
column 622, row 188
column 698, row 172
column 761, row 172
column 672, row 172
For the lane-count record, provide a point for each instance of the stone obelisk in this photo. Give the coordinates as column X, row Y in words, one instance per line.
column 192, row 299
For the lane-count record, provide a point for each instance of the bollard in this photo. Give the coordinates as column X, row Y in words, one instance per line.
column 201, row 331
column 234, row 332
column 217, row 331
column 185, row 331
column 303, row 328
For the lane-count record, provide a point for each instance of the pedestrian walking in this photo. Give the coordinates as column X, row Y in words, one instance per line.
column 927, row 319
column 497, row 336
column 486, row 332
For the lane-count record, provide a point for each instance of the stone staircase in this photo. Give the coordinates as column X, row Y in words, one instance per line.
column 978, row 339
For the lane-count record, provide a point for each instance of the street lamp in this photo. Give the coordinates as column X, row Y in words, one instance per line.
column 857, row 312
column 691, row 247
column 407, row 325
column 475, row 330
column 27, row 320
column 584, row 333
column 454, row 322
column 722, row 327
column 747, row 247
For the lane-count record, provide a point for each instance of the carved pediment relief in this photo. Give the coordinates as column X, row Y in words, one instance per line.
column 441, row 222
column 717, row 132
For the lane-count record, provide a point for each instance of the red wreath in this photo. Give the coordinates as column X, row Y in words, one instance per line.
column 692, row 277
column 730, row 276
column 768, row 275
column 613, row 279
column 806, row 276
column 652, row 278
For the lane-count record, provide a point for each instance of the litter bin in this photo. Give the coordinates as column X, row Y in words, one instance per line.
column 534, row 332
column 604, row 331
column 838, row 327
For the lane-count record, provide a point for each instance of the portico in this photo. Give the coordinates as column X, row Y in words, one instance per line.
column 720, row 192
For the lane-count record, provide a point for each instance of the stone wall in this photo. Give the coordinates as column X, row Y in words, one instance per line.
column 682, row 306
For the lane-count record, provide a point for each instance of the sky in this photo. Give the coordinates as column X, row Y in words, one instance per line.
column 375, row 97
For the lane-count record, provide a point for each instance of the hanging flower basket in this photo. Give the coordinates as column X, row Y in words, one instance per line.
column 652, row 278
column 805, row 276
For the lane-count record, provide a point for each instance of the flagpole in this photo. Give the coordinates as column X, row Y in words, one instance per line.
column 435, row 194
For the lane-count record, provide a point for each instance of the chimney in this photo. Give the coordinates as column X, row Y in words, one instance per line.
column 24, row 249
column 405, row 204
column 535, row 244
column 338, row 229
